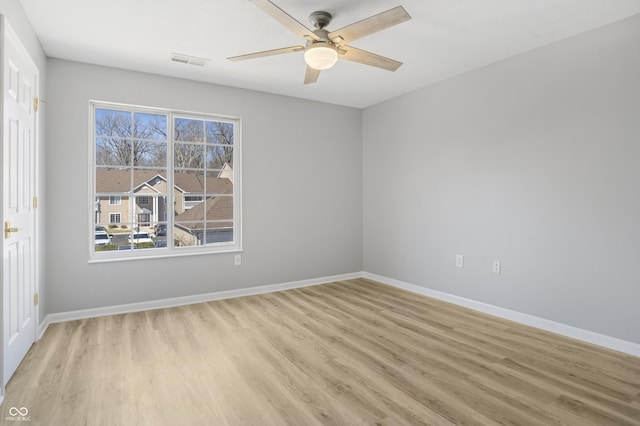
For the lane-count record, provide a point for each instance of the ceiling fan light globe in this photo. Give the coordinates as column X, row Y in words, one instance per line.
column 321, row 56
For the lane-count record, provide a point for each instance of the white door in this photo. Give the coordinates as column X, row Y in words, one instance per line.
column 19, row 88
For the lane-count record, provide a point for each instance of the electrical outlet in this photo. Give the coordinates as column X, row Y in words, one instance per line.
column 497, row 267
column 237, row 260
column 459, row 260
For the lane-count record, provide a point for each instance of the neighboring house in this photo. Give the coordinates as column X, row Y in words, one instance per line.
column 226, row 172
column 146, row 205
column 215, row 215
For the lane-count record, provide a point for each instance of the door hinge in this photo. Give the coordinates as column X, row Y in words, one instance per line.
column 36, row 103
column 35, row 299
column 35, row 201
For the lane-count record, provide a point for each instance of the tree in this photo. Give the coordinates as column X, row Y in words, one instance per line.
column 125, row 139
column 221, row 135
column 192, row 136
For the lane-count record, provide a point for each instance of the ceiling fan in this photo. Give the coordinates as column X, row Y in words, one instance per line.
column 323, row 48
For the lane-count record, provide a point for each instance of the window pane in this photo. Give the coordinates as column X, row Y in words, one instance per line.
column 195, row 205
column 188, row 156
column 160, row 236
column 113, row 181
column 217, row 186
column 188, row 233
column 218, row 156
column 189, row 182
column 220, row 132
column 113, row 152
column 150, row 154
column 219, row 233
column 143, row 212
column 139, row 238
column 151, row 181
column 150, row 126
column 113, row 123
column 187, row 129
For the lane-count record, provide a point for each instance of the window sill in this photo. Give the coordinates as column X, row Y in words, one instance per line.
column 105, row 258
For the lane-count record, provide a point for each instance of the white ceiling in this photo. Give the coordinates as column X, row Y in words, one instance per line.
column 444, row 38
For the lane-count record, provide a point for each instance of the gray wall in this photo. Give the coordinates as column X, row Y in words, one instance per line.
column 533, row 161
column 13, row 12
column 302, row 190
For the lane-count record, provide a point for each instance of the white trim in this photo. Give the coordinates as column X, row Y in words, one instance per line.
column 187, row 300
column 526, row 319
column 43, row 327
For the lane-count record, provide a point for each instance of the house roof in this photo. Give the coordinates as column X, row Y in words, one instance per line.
column 119, row 181
column 116, row 180
column 213, row 209
column 190, row 182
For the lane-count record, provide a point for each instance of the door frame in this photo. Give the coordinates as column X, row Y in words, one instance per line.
column 7, row 33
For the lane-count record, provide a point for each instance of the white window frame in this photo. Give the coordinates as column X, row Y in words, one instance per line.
column 115, row 200
column 111, row 216
column 143, row 197
column 225, row 247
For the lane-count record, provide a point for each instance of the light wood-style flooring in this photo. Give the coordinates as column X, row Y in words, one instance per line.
column 347, row 353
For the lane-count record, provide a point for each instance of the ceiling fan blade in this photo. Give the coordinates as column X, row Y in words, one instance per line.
column 285, row 19
column 363, row 57
column 370, row 25
column 311, row 76
column 267, row 53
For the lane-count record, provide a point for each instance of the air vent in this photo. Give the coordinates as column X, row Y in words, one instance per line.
column 186, row 59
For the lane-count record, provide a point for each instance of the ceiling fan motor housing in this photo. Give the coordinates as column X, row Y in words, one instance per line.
column 320, row 19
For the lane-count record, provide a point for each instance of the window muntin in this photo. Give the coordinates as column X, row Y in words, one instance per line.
column 115, row 200
column 174, row 175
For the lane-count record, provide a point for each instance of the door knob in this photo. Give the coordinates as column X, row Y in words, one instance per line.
column 8, row 229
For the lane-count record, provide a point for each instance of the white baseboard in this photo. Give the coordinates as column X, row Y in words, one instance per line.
column 526, row 319
column 186, row 300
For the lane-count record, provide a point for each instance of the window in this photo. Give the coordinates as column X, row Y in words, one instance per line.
column 186, row 164
column 192, row 200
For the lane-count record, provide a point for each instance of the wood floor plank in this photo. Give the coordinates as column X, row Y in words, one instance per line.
column 353, row 352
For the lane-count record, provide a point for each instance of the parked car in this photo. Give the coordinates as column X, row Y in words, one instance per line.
column 140, row 237
column 100, row 228
column 161, row 243
column 102, row 238
column 161, row 230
